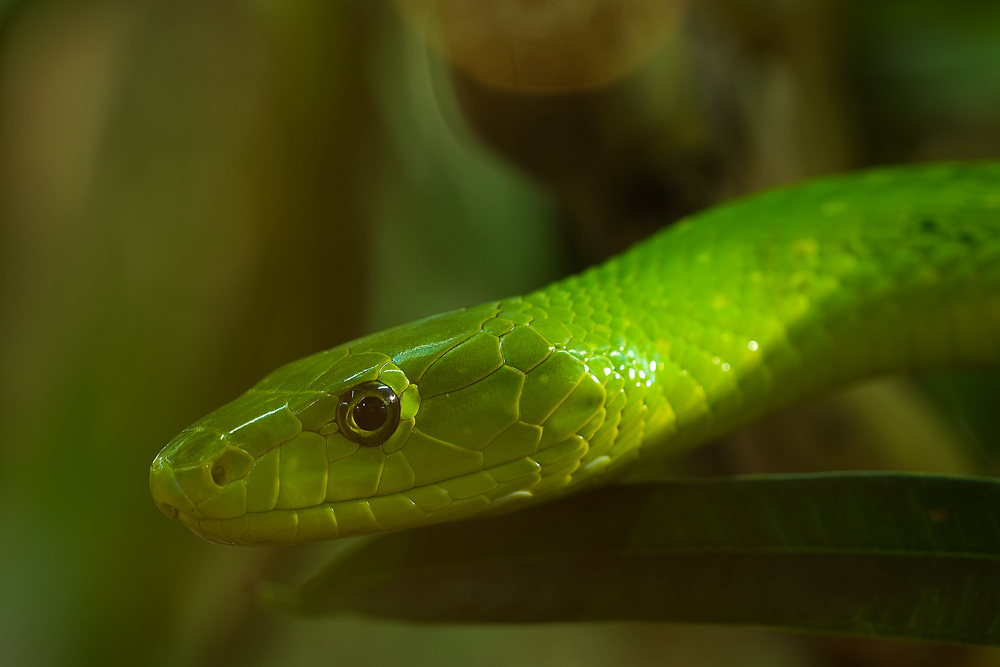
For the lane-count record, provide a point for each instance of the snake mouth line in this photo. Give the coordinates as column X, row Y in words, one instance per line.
column 359, row 516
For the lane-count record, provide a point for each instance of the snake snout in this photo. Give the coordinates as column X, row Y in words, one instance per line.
column 198, row 475
column 168, row 495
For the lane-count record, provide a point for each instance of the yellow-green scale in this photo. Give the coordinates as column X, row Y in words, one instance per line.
column 748, row 307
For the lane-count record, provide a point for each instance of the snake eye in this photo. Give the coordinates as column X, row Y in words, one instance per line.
column 368, row 414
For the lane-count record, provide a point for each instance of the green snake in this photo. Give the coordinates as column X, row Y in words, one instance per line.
column 709, row 324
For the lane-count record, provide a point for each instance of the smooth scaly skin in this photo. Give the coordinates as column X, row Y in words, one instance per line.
column 707, row 325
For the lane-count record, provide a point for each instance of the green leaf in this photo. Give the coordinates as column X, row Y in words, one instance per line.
column 878, row 555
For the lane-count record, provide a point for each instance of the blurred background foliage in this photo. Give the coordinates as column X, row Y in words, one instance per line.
column 192, row 193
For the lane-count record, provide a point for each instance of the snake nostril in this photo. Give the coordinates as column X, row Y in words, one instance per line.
column 168, row 509
column 219, row 474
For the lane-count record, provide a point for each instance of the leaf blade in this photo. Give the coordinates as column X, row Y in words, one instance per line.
column 868, row 554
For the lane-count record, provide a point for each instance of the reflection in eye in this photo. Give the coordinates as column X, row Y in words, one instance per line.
column 368, row 414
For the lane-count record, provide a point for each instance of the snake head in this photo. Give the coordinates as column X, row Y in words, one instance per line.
column 469, row 412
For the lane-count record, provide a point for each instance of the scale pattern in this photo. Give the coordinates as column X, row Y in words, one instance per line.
column 705, row 326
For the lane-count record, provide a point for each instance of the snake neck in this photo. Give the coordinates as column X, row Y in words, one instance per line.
column 727, row 317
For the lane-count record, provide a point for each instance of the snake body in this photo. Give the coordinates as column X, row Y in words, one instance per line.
column 707, row 325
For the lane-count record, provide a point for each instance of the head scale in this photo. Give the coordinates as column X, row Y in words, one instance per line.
column 438, row 419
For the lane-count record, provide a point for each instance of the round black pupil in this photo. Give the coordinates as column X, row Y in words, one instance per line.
column 370, row 413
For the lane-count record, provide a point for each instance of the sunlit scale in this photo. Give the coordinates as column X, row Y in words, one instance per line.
column 495, row 407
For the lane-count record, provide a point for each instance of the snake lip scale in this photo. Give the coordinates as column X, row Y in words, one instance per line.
column 720, row 319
